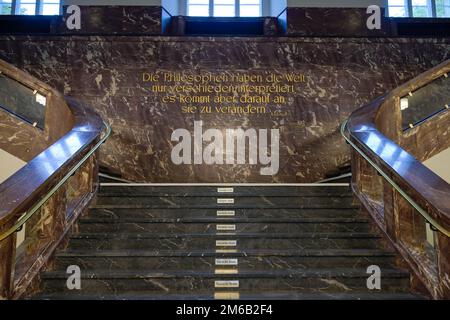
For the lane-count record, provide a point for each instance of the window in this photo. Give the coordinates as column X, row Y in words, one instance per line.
column 5, row 6
column 26, row 7
column 199, row 8
column 224, row 8
column 398, row 8
column 50, row 7
column 419, row 8
column 30, row 7
column 250, row 8
column 443, row 8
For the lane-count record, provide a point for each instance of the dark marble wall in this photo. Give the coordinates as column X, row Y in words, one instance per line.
column 341, row 22
column 155, row 20
column 116, row 20
column 106, row 72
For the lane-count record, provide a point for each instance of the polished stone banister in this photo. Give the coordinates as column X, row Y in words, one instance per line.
column 430, row 190
column 36, row 178
column 51, row 190
column 404, row 168
column 380, row 147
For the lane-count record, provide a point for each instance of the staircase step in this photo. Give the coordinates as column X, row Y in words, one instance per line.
column 209, row 220
column 194, row 242
column 235, row 191
column 210, row 226
column 215, row 202
column 310, row 280
column 205, row 260
column 108, row 241
column 289, row 295
column 284, row 214
column 237, row 253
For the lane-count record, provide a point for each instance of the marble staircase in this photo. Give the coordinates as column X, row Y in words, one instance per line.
column 280, row 242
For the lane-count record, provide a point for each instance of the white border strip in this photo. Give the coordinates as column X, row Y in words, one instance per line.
column 347, row 175
column 107, row 176
column 225, row 184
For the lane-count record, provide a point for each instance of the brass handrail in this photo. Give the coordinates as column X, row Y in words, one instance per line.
column 27, row 215
column 416, row 206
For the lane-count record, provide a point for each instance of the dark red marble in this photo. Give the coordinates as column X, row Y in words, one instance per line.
column 116, row 20
column 376, row 129
column 329, row 22
column 106, row 73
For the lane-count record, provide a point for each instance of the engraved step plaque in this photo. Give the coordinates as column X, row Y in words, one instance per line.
column 225, row 201
column 226, row 283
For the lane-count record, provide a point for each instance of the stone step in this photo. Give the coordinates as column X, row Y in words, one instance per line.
column 277, row 214
column 188, row 281
column 226, row 201
column 208, row 242
column 210, row 226
column 207, row 260
column 236, row 191
column 108, row 241
column 238, row 253
column 261, row 296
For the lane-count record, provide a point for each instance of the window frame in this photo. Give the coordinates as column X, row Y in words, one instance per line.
column 409, row 9
column 237, row 7
column 15, row 7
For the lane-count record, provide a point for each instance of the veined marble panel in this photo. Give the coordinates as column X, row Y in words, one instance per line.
column 342, row 74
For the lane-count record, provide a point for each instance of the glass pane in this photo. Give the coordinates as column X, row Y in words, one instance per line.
column 397, row 3
column 22, row 101
column 205, row 2
column 224, row 11
column 5, row 9
column 397, row 12
column 250, row 11
column 27, row 9
column 421, row 8
column 446, row 12
column 443, row 8
column 425, row 102
column 198, row 11
column 421, row 12
column 50, row 9
column 256, row 2
column 229, row 2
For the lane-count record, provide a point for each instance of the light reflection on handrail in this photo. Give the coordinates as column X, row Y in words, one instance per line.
column 416, row 206
column 26, row 216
